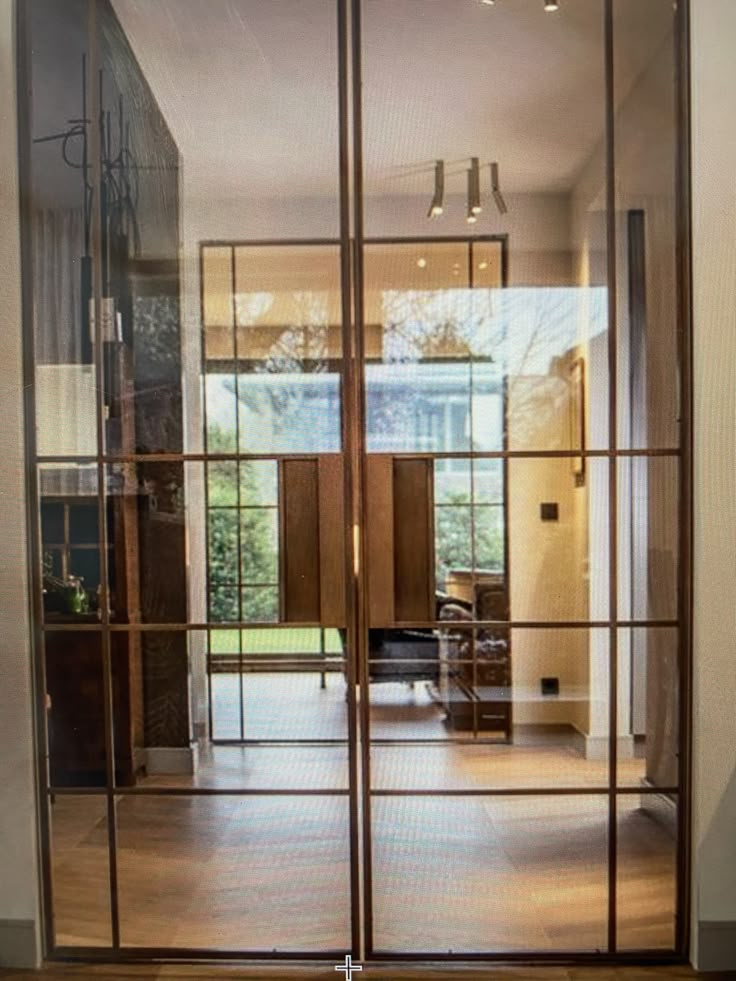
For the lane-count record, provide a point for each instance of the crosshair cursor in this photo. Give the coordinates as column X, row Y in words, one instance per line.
column 348, row 967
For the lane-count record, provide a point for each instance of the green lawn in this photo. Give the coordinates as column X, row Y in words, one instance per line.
column 275, row 640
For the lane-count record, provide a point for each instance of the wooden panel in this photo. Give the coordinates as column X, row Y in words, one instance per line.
column 332, row 540
column 413, row 550
column 300, row 552
column 379, row 546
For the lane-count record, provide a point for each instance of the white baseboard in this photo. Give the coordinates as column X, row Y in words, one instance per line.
column 597, row 747
column 716, row 946
column 174, row 760
column 19, row 944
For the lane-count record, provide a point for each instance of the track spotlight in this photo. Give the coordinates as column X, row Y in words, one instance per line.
column 438, row 201
column 496, row 190
column 474, row 204
column 551, row 5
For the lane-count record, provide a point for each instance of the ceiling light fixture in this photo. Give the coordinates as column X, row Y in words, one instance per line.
column 551, row 5
column 474, row 186
column 496, row 190
column 487, row 3
column 438, row 201
column 422, row 263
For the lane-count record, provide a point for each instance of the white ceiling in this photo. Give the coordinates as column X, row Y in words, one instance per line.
column 248, row 87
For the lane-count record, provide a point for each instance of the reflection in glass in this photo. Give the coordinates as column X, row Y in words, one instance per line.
column 261, row 857
column 648, row 530
column 649, row 707
column 559, row 539
column 433, row 345
column 646, row 872
column 81, row 871
column 276, row 683
column 273, row 382
column 502, row 859
column 646, row 227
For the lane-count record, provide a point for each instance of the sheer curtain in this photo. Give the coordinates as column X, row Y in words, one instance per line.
column 65, row 386
column 58, row 243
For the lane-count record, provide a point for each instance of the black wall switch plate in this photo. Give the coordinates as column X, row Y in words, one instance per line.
column 550, row 686
column 550, row 511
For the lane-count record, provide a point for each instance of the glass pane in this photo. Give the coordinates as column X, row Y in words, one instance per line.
column 432, row 383
column 546, row 207
column 648, row 529
column 53, row 515
column 452, row 481
column 488, row 269
column 646, row 226
column 259, row 545
column 488, row 481
column 284, row 289
column 453, row 542
column 646, row 872
column 259, row 482
column 488, row 529
column 260, row 604
column 141, row 278
column 224, row 604
column 147, row 538
column 270, row 684
column 224, row 544
column 222, row 483
column 289, row 411
column 84, row 523
column 70, row 544
column 649, row 707
column 271, row 863
column 502, row 860
column 289, row 343
column 221, row 408
column 217, row 290
column 80, row 871
column 60, row 219
column 559, row 539
column 84, row 565
column 275, row 684
column 76, row 707
column 503, row 709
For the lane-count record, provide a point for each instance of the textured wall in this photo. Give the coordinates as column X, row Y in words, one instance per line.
column 714, row 249
column 18, row 888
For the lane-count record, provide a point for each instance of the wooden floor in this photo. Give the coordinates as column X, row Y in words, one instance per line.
column 378, row 973
column 463, row 874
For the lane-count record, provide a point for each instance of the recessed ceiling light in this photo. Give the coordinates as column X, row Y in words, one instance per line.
column 551, row 5
column 487, row 3
column 422, row 263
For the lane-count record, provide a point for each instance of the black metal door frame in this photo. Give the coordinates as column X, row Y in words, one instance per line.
column 352, row 242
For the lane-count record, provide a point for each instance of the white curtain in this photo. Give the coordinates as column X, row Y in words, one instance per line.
column 58, row 246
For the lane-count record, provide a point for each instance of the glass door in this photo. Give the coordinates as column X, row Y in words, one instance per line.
column 189, row 288
column 359, row 477
column 523, row 645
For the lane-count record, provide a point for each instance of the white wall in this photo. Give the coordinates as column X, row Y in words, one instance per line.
column 714, row 300
column 18, row 869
